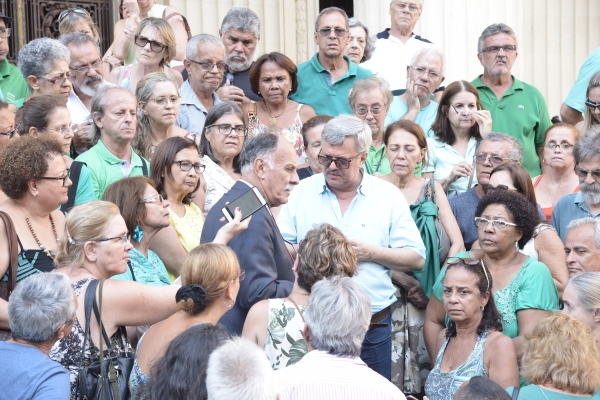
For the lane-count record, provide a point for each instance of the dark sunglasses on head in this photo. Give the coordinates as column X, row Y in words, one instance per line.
column 500, row 187
column 591, row 105
column 68, row 11
column 471, row 261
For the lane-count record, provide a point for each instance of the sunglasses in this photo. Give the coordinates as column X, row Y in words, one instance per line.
column 155, row 46
column 501, row 187
column 591, row 105
column 68, row 11
column 471, row 261
column 582, row 173
column 341, row 163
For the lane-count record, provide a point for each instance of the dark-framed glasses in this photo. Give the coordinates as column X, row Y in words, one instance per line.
column 4, row 32
column 582, row 173
column 187, row 166
column 10, row 134
column 496, row 223
column 68, row 11
column 591, row 105
column 59, row 80
column 341, row 163
column 471, row 261
column 339, row 32
column 509, row 48
column 155, row 46
column 85, row 68
column 152, row 199
column 494, row 160
column 121, row 239
column 563, row 145
column 64, row 179
column 362, row 111
column 420, row 71
column 501, row 187
column 208, row 66
column 162, row 101
column 226, row 129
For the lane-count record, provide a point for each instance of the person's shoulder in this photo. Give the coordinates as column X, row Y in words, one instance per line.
column 468, row 196
column 536, row 268
column 497, row 340
column 529, row 89
column 362, row 72
column 567, row 200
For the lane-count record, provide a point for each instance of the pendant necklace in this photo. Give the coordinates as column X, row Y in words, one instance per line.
column 50, row 254
column 273, row 118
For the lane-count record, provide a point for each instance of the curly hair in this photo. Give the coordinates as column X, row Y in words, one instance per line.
column 324, row 252
column 521, row 211
column 491, row 318
column 563, row 353
column 25, row 159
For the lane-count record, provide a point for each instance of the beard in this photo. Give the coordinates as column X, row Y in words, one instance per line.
column 590, row 192
column 92, row 84
column 238, row 66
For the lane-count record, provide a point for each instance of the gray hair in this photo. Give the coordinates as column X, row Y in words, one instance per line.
column 588, row 145
column 338, row 315
column 492, row 30
column 370, row 40
column 98, row 106
column 343, row 127
column 430, row 50
column 587, row 221
column 368, row 84
column 78, row 39
column 516, row 150
column 191, row 49
column 239, row 369
column 39, row 306
column 330, row 10
column 260, row 146
column 587, row 286
column 39, row 56
column 243, row 19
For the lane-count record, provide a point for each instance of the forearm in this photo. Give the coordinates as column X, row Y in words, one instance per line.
column 399, row 259
column 410, row 115
column 570, row 115
column 403, row 280
column 121, row 45
column 4, row 315
column 446, row 182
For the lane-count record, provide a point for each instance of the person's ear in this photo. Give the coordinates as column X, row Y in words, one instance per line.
column 33, row 82
column 90, row 251
column 261, row 167
column 423, row 152
column 98, row 120
column 63, row 332
column 316, row 38
column 480, row 58
column 296, row 262
column 33, row 189
column 229, row 292
column 142, row 106
column 597, row 315
column 33, row 131
column 306, row 334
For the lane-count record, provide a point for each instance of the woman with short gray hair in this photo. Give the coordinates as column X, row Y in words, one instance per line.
column 581, row 298
column 41, row 311
column 361, row 46
column 44, row 64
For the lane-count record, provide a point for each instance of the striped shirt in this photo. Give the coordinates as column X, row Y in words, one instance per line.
column 324, row 376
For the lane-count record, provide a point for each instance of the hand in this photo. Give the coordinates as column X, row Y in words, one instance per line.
column 412, row 98
column 83, row 135
column 484, row 120
column 228, row 92
column 416, row 295
column 362, row 249
column 461, row 169
column 232, row 228
column 130, row 9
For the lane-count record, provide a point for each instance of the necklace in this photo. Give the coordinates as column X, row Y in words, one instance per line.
column 273, row 118
column 37, row 240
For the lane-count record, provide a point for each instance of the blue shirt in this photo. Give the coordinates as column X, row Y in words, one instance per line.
column 192, row 112
column 425, row 118
column 149, row 271
column 567, row 209
column 576, row 97
column 378, row 214
column 27, row 373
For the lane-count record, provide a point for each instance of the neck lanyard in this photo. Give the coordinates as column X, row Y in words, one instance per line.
column 378, row 164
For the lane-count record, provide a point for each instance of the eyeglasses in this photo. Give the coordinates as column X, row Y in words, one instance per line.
column 341, row 163
column 496, row 223
column 591, row 105
column 208, row 66
column 501, row 187
column 4, row 32
column 470, row 108
column 68, row 11
column 59, row 80
column 339, row 32
column 242, row 275
column 564, row 146
column 471, row 261
column 226, row 129
column 62, row 178
column 10, row 134
column 362, row 111
column 509, row 48
column 411, row 7
column 152, row 199
column 63, row 130
column 155, row 46
column 582, row 173
column 162, row 101
column 494, row 160
column 122, row 239
column 84, row 69
column 421, row 71
column 187, row 166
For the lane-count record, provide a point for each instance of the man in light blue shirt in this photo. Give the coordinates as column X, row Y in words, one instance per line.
column 372, row 213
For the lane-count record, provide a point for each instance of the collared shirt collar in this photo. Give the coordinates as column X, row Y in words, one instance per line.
column 516, row 84
column 580, row 202
column 4, row 69
column 352, row 67
column 110, row 158
column 188, row 96
column 363, row 188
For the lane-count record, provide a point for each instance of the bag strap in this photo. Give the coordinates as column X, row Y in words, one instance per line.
column 185, row 23
column 74, row 174
column 297, row 308
column 473, row 169
column 90, row 298
column 112, row 371
column 131, row 270
column 145, row 168
column 515, row 393
column 13, row 248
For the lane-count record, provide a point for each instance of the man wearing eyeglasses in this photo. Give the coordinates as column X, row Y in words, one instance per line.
column 517, row 108
column 13, row 86
column 372, row 214
column 586, row 202
column 325, row 81
column 205, row 65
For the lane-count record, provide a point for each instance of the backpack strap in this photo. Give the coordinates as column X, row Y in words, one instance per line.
column 74, row 175
column 185, row 23
column 515, row 393
column 145, row 168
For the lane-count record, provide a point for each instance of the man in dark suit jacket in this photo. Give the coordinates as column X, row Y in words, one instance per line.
column 268, row 162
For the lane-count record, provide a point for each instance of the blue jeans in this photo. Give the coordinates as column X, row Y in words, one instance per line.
column 376, row 349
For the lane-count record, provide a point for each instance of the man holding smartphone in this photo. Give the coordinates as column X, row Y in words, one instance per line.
column 269, row 164
column 372, row 213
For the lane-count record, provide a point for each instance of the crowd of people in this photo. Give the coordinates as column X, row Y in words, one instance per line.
column 412, row 240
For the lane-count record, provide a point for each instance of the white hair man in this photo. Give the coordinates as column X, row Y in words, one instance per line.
column 582, row 246
column 372, row 213
column 337, row 316
column 239, row 370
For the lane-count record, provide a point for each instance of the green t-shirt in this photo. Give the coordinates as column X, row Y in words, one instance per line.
column 12, row 84
column 521, row 113
column 531, row 288
column 377, row 161
column 534, row 392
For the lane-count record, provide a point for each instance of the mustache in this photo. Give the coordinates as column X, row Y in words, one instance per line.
column 289, row 187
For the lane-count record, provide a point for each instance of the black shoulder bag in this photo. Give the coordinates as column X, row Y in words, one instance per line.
column 103, row 379
column 74, row 174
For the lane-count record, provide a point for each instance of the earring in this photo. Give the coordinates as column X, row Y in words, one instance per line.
column 517, row 246
column 138, row 233
column 482, row 308
column 229, row 306
column 34, row 194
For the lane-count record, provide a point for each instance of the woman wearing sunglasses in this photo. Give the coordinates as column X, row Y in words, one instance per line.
column 44, row 63
column 523, row 289
column 154, row 49
column 473, row 343
column 592, row 105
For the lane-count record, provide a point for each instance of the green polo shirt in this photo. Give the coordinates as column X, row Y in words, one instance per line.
column 105, row 168
column 522, row 113
column 12, row 84
column 315, row 89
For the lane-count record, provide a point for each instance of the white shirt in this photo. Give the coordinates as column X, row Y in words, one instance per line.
column 79, row 113
column 324, row 376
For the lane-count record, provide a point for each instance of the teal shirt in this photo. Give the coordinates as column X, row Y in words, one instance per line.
column 316, row 90
column 12, row 84
column 149, row 271
column 425, row 118
column 534, row 392
column 105, row 168
column 85, row 188
column 521, row 113
column 569, row 207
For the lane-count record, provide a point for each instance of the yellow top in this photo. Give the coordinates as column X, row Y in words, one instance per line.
column 188, row 227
